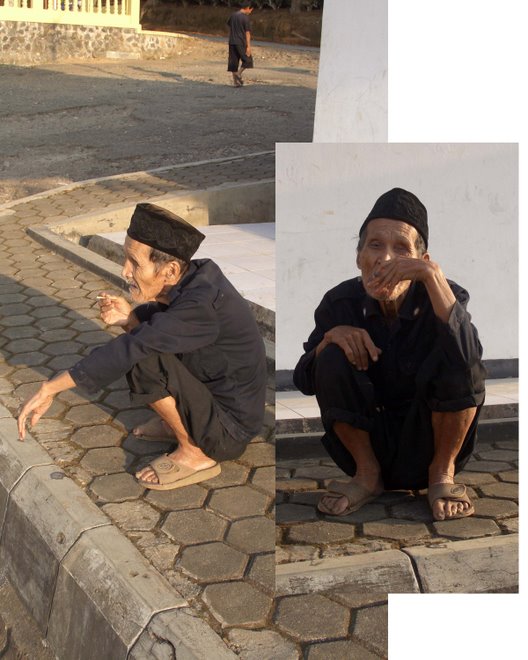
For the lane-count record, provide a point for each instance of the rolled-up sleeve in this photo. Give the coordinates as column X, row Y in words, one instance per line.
column 458, row 337
column 324, row 321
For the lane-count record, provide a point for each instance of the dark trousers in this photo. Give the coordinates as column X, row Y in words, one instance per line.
column 237, row 54
column 401, row 437
column 161, row 375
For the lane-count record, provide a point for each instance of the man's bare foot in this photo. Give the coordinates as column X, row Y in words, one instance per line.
column 196, row 460
column 445, row 508
column 361, row 490
column 154, row 428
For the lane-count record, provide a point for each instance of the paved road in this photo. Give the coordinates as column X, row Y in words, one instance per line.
column 72, row 121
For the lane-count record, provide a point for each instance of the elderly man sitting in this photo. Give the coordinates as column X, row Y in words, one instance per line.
column 191, row 351
column 395, row 364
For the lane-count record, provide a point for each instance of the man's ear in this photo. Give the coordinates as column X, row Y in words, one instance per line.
column 426, row 256
column 172, row 272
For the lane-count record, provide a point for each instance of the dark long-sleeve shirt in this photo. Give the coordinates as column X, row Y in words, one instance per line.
column 405, row 342
column 211, row 328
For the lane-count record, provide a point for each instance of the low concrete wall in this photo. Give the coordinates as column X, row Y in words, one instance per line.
column 219, row 205
column 38, row 43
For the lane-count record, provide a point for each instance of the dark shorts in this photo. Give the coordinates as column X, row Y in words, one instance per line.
column 237, row 54
column 402, row 438
column 163, row 375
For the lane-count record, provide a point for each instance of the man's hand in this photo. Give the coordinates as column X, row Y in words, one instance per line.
column 354, row 342
column 390, row 273
column 115, row 310
column 42, row 400
column 37, row 404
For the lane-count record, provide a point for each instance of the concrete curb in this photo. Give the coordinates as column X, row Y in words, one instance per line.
column 80, row 578
column 127, row 175
column 386, row 571
column 475, row 566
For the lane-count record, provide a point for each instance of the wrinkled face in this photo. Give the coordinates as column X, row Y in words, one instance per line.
column 386, row 239
column 144, row 282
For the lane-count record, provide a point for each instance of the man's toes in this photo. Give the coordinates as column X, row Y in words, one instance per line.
column 147, row 474
column 335, row 505
column 339, row 505
column 439, row 510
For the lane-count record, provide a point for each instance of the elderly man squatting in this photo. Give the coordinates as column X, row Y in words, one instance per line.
column 396, row 366
column 191, row 350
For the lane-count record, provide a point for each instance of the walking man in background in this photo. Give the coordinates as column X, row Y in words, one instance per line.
column 240, row 43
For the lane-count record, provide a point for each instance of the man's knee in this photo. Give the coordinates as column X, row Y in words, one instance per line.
column 332, row 359
column 451, row 390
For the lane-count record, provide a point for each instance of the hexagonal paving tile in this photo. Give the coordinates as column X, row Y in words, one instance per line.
column 190, row 497
column 502, row 489
column 487, row 466
column 499, row 455
column 14, row 309
column 21, row 333
column 467, row 528
column 258, row 455
column 344, row 649
column 311, row 617
column 91, row 437
column 417, row 510
column 262, row 571
column 137, row 515
column 237, row 603
column 491, row 507
column 213, row 562
column 372, row 627
column 262, row 644
column 264, row 479
column 63, row 348
column 232, row 474
column 194, row 526
column 23, row 345
column 88, row 414
column 321, row 532
column 94, row 337
column 49, row 311
column 398, row 530
column 512, row 476
column 105, row 461
column 63, row 362
column 116, row 487
column 252, row 534
column 59, row 334
column 239, row 502
column 290, row 513
column 52, row 323
column 31, row 359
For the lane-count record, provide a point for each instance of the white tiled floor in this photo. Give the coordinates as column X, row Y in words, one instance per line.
column 293, row 405
column 245, row 253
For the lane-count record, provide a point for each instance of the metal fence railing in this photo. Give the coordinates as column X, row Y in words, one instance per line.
column 107, row 13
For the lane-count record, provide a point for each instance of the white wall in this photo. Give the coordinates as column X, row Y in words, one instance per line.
column 325, row 191
column 351, row 102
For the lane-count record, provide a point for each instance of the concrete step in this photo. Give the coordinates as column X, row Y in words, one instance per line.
column 298, row 423
column 298, row 414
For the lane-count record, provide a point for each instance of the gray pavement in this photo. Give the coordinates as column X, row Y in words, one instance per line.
column 474, row 554
column 89, row 552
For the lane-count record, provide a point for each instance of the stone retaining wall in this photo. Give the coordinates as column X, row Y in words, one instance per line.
column 38, row 43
